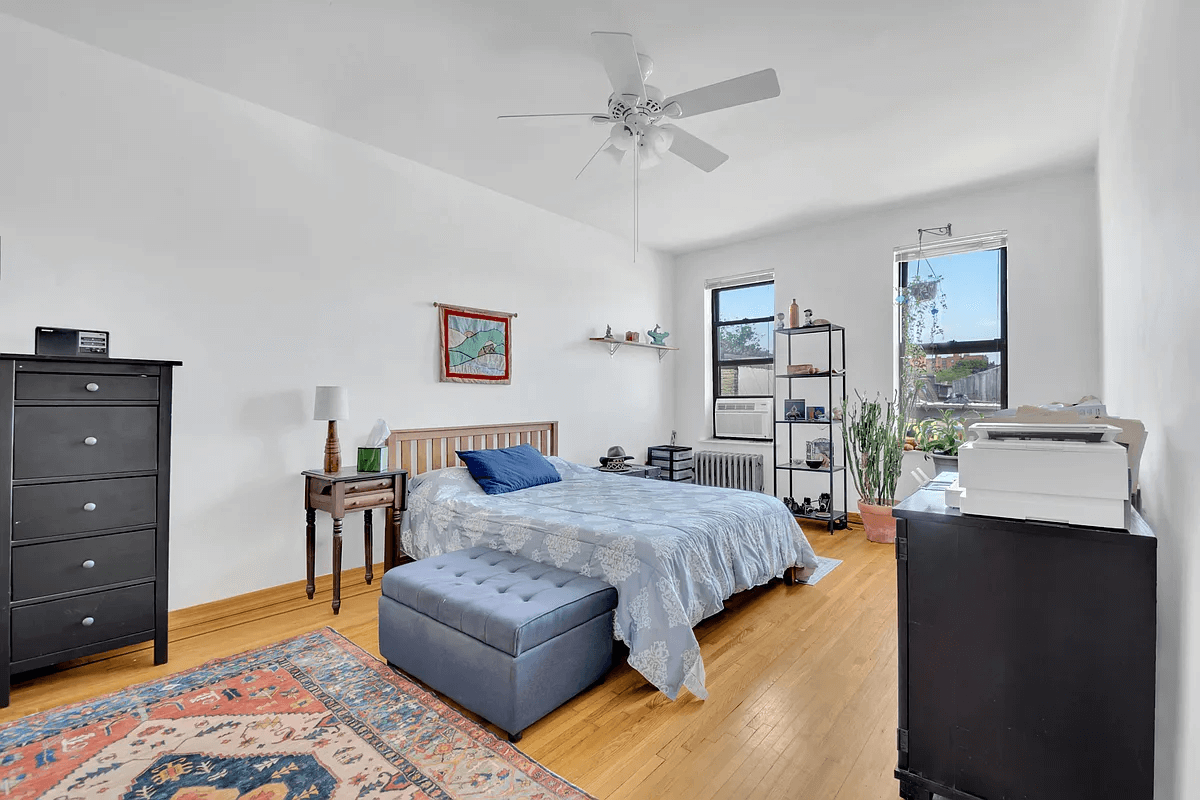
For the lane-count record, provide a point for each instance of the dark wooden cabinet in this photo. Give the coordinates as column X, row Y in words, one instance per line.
column 1027, row 655
column 85, row 464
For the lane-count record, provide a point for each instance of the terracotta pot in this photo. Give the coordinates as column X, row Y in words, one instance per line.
column 879, row 522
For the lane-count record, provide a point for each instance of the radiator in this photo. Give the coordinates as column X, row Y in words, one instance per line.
column 731, row 470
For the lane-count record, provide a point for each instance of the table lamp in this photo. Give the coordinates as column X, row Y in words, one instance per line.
column 332, row 403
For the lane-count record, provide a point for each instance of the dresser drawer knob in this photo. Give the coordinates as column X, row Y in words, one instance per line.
column 93, row 387
column 89, row 441
column 88, row 564
column 89, row 506
column 88, row 621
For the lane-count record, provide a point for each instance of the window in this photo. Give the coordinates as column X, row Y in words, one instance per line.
column 952, row 325
column 743, row 340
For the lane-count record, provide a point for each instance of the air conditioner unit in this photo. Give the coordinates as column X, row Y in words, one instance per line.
column 743, row 419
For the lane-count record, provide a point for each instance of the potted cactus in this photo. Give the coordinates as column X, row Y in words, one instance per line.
column 873, row 434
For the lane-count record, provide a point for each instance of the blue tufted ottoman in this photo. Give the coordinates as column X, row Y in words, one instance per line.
column 504, row 636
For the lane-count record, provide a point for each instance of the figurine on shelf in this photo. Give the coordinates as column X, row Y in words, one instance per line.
column 608, row 332
column 658, row 336
column 779, row 321
column 808, row 317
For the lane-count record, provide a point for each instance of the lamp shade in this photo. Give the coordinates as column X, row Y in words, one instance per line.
column 332, row 402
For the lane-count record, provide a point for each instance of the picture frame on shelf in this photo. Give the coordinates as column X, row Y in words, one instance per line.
column 793, row 411
column 817, row 414
column 822, row 449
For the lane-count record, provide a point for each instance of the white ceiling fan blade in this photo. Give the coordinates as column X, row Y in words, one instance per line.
column 695, row 151
column 620, row 59
column 533, row 116
column 733, row 92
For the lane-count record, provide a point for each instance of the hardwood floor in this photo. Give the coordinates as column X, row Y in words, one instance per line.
column 801, row 681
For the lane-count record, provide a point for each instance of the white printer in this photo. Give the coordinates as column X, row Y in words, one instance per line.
column 1053, row 472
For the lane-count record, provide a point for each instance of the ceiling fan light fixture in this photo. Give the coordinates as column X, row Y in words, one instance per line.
column 648, row 158
column 646, row 64
column 658, row 139
column 621, row 137
column 616, row 153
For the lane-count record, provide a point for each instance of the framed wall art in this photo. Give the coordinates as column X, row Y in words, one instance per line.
column 476, row 344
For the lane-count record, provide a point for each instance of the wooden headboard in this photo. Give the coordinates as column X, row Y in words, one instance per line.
column 420, row 450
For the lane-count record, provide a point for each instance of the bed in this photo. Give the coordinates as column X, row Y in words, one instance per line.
column 673, row 551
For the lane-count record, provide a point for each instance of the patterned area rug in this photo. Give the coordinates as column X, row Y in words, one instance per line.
column 311, row 718
column 824, row 567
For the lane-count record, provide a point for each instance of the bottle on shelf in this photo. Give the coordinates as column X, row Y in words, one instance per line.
column 793, row 315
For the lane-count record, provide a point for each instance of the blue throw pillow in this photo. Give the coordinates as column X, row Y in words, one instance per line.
column 509, row 469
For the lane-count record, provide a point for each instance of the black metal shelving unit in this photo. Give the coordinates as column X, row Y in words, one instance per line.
column 837, row 516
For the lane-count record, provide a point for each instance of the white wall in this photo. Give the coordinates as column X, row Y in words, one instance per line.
column 842, row 269
column 271, row 256
column 1149, row 171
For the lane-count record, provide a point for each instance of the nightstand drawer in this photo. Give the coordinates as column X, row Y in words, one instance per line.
column 40, row 570
column 46, row 628
column 55, row 509
column 47, row 386
column 83, row 440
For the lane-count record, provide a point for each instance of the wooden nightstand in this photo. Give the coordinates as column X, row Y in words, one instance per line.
column 350, row 490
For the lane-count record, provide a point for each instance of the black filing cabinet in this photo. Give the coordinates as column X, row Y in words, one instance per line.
column 85, row 463
column 1026, row 656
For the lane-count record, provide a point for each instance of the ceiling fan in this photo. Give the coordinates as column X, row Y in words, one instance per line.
column 637, row 111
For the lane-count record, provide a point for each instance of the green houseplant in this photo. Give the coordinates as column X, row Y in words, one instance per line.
column 873, row 435
column 941, row 437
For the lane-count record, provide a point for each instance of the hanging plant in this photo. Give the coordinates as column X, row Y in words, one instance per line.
column 922, row 290
column 920, row 301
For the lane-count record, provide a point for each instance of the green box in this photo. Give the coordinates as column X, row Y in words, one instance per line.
column 372, row 459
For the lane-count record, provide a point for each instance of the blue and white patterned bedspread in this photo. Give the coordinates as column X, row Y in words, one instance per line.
column 674, row 551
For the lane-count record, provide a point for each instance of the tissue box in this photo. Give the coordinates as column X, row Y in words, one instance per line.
column 372, row 459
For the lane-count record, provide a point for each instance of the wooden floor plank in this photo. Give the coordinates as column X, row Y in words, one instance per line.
column 801, row 681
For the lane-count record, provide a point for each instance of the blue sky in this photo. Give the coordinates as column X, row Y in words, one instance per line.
column 971, row 283
column 754, row 301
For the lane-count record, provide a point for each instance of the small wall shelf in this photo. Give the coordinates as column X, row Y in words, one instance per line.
column 615, row 344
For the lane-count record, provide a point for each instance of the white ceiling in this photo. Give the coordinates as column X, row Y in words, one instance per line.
column 881, row 99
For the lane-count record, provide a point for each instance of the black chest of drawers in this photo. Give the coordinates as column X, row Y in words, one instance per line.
column 85, row 462
column 1027, row 653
